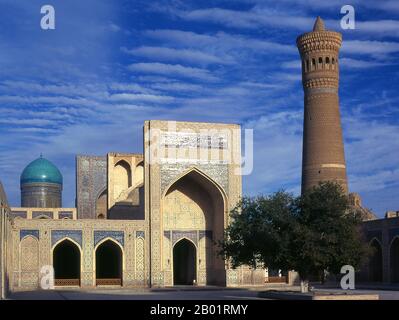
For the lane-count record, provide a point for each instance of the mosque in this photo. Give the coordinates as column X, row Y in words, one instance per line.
column 137, row 223
column 154, row 219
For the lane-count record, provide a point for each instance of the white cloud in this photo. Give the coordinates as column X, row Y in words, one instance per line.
column 293, row 64
column 293, row 17
column 113, row 27
column 123, row 97
column 248, row 19
column 177, row 87
column 379, row 27
column 277, row 153
column 59, row 89
column 367, row 47
column 39, row 100
column 173, row 70
column 349, row 63
column 185, row 55
column 131, row 87
column 220, row 41
column 324, row 6
column 29, row 122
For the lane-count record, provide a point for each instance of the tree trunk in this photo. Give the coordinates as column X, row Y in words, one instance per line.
column 304, row 286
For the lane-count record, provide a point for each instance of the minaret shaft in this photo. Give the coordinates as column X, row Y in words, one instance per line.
column 323, row 156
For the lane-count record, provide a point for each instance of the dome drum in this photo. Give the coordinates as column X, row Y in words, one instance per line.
column 41, row 185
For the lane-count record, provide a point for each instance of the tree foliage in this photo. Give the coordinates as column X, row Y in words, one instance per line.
column 311, row 234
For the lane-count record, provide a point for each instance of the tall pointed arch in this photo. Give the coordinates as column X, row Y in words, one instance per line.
column 101, row 204
column 194, row 206
column 375, row 261
column 109, row 262
column 202, row 178
column 122, row 177
column 184, row 262
column 394, row 259
column 139, row 174
column 67, row 257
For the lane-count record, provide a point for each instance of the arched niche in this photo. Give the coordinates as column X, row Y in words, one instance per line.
column 394, row 259
column 184, row 262
column 375, row 261
column 194, row 206
column 101, row 205
column 139, row 174
column 122, row 177
column 67, row 263
column 29, row 261
column 109, row 263
column 29, row 247
column 194, row 201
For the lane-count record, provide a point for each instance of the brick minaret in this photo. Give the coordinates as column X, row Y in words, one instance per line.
column 323, row 156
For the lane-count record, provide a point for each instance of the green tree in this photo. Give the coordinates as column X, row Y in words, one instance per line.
column 327, row 235
column 259, row 233
column 312, row 234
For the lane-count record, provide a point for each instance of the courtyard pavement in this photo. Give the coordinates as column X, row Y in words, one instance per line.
column 176, row 293
column 139, row 294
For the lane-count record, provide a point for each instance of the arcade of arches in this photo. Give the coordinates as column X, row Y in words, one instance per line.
column 382, row 236
column 67, row 263
column 187, row 258
column 382, row 262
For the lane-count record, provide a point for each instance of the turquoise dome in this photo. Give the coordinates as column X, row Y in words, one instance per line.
column 41, row 170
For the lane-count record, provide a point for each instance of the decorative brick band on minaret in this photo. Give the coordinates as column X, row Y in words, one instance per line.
column 323, row 156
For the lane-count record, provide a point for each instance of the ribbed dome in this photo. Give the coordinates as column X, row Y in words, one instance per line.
column 41, row 170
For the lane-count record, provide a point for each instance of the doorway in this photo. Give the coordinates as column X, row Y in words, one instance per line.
column 184, row 263
column 66, row 263
column 109, row 264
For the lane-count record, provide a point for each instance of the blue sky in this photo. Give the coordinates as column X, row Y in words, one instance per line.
column 87, row 87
